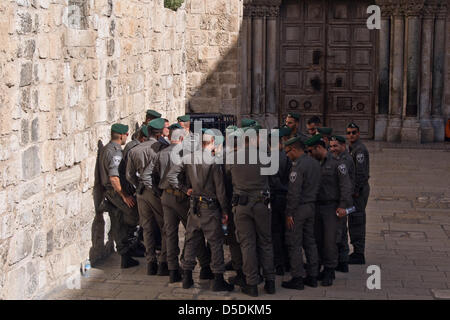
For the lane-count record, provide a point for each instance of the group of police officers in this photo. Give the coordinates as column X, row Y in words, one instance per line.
column 270, row 222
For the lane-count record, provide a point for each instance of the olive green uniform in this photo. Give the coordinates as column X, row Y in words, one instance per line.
column 357, row 220
column 124, row 217
column 208, row 202
column 252, row 218
column 304, row 182
column 335, row 192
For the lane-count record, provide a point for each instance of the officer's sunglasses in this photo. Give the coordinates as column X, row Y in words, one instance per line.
column 354, row 132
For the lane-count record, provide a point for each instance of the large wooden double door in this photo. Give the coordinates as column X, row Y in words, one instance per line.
column 328, row 62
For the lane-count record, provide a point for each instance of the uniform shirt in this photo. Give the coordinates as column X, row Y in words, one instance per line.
column 246, row 178
column 138, row 158
column 207, row 180
column 279, row 182
column 304, row 182
column 361, row 159
column 155, row 174
column 335, row 184
column 129, row 188
column 346, row 158
column 110, row 158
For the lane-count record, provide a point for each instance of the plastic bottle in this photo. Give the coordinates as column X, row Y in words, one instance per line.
column 87, row 267
column 350, row 210
column 225, row 229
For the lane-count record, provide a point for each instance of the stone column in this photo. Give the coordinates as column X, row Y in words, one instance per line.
column 381, row 118
column 427, row 130
column 438, row 72
column 272, row 72
column 411, row 126
column 258, row 82
column 245, row 66
column 396, row 86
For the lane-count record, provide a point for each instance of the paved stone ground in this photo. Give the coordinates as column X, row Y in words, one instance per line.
column 408, row 237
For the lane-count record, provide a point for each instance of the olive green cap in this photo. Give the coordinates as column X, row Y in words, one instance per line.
column 248, row 122
column 153, row 113
column 313, row 140
column 338, row 138
column 144, row 130
column 175, row 126
column 185, row 118
column 293, row 140
column 157, row 124
column 232, row 128
column 119, row 128
column 325, row 131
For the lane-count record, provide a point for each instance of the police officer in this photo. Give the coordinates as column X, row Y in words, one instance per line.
column 293, row 121
column 326, row 135
column 357, row 220
column 339, row 150
column 125, row 216
column 209, row 207
column 252, row 217
column 333, row 199
column 312, row 125
column 278, row 190
column 150, row 209
column 149, row 116
column 304, row 181
column 164, row 139
column 175, row 203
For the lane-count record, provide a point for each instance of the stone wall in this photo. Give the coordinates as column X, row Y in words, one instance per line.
column 212, row 37
column 66, row 74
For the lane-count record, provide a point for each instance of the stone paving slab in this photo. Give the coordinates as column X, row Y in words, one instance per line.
column 408, row 228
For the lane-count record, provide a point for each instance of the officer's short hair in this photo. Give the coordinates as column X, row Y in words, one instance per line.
column 177, row 134
column 298, row 145
column 314, row 119
column 115, row 135
column 153, row 131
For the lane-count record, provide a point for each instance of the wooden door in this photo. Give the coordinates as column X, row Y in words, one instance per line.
column 327, row 63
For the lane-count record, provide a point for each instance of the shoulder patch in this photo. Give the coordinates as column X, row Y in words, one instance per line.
column 293, row 176
column 360, row 157
column 342, row 169
column 116, row 160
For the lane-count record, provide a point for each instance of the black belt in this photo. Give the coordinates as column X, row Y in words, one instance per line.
column 308, row 202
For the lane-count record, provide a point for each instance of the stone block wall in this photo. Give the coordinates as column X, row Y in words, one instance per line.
column 446, row 104
column 212, row 34
column 68, row 70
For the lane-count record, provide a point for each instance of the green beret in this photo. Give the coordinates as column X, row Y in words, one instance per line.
column 153, row 113
column 314, row 140
column 232, row 128
column 284, row 131
column 338, row 138
column 157, row 124
column 325, row 131
column 237, row 133
column 296, row 116
column 292, row 140
column 185, row 118
column 175, row 126
column 144, row 130
column 119, row 128
column 248, row 123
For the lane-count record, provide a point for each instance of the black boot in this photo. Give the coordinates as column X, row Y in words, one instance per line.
column 239, row 279
column 342, row 267
column 280, row 270
column 152, row 268
column 206, row 273
column 128, row 262
column 229, row 266
column 295, row 283
column 220, row 284
column 356, row 258
column 163, row 269
column 310, row 281
column 187, row 279
column 269, row 286
column 251, row 290
column 174, row 276
column 328, row 276
column 322, row 274
column 137, row 251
